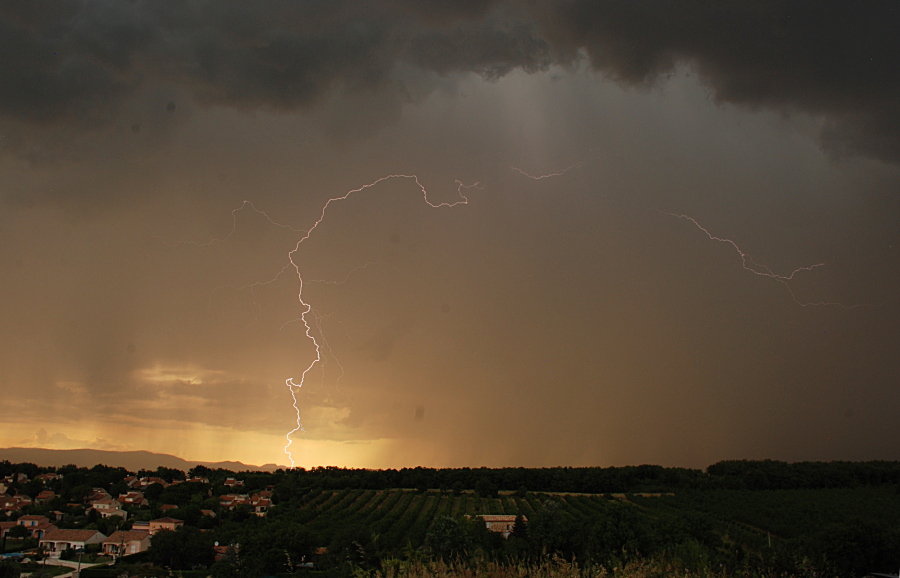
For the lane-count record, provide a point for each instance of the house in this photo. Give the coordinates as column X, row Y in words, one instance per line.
column 97, row 494
column 44, row 478
column 13, row 478
column 13, row 503
column 44, row 497
column 123, row 543
column 501, row 523
column 260, row 505
column 168, row 507
column 32, row 521
column 222, row 551
column 5, row 527
column 55, row 542
column 7, row 503
column 233, row 483
column 41, row 529
column 109, row 507
column 164, row 524
column 208, row 513
column 231, row 500
column 133, row 498
column 37, row 525
column 143, row 483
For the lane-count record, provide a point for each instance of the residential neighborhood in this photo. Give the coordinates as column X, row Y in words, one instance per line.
column 108, row 512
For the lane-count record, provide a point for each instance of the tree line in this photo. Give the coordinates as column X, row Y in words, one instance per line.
column 730, row 475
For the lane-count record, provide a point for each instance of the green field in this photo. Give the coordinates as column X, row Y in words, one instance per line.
column 769, row 530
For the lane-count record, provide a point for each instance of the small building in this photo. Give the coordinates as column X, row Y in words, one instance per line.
column 142, row 526
column 55, row 542
column 125, row 542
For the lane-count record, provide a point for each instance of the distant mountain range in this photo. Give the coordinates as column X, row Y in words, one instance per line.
column 132, row 461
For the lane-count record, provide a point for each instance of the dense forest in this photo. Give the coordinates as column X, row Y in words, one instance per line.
column 734, row 518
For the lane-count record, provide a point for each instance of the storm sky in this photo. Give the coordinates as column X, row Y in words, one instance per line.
column 648, row 232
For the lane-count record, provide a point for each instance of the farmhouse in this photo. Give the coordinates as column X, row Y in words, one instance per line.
column 501, row 523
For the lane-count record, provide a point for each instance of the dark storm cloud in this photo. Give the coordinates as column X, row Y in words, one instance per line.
column 78, row 60
column 491, row 50
column 832, row 58
column 75, row 60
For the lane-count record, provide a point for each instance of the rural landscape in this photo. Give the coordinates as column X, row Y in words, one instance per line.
column 449, row 288
column 738, row 518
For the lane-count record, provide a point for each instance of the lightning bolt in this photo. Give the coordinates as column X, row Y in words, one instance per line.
column 321, row 343
column 306, row 308
column 762, row 270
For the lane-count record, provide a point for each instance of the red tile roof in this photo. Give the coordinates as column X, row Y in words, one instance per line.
column 69, row 535
column 500, row 518
column 120, row 536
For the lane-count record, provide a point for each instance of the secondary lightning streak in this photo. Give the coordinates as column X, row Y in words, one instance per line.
column 346, row 277
column 337, row 381
column 306, row 308
column 762, row 270
column 234, row 214
column 550, row 174
column 252, row 286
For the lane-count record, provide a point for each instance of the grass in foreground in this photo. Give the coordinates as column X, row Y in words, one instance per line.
column 561, row 568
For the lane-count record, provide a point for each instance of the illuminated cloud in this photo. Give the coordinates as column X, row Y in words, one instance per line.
column 60, row 441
